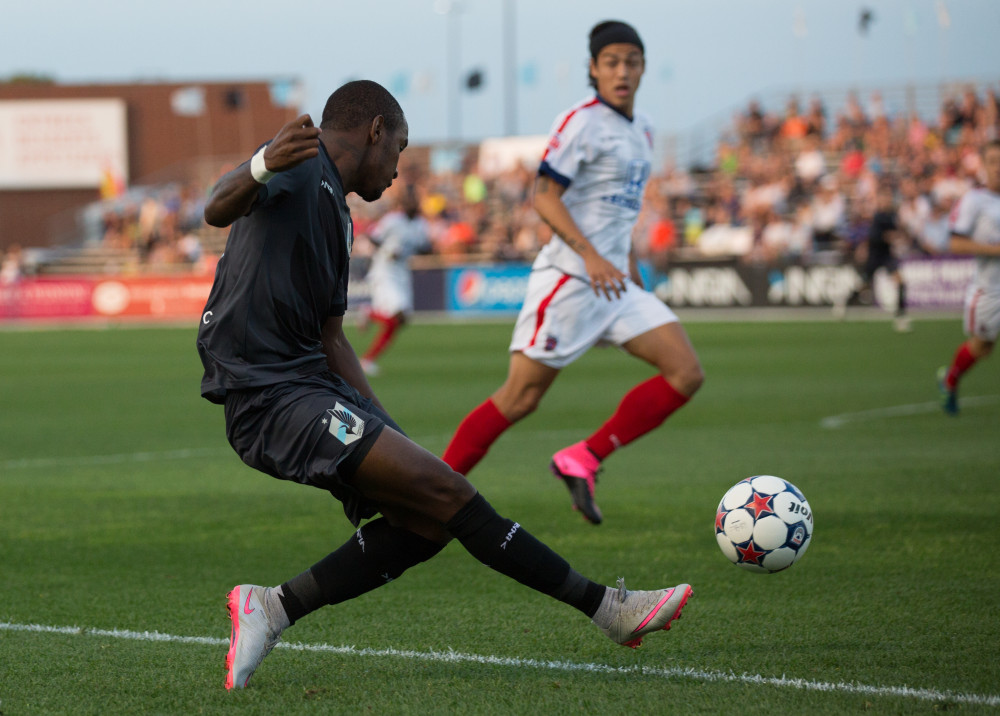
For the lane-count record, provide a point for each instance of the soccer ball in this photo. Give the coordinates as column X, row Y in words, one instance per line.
column 764, row 524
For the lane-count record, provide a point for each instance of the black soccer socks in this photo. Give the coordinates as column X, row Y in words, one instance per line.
column 508, row 548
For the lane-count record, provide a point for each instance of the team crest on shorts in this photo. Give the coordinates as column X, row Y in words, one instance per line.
column 344, row 425
column 550, row 343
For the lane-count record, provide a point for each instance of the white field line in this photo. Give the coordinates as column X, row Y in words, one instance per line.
column 450, row 656
column 115, row 459
column 895, row 411
column 225, row 450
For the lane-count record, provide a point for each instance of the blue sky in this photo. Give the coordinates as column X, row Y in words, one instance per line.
column 704, row 57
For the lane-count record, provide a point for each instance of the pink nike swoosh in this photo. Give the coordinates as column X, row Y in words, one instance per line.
column 247, row 609
column 670, row 593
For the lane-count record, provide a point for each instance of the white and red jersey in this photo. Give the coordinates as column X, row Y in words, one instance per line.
column 976, row 216
column 397, row 238
column 603, row 159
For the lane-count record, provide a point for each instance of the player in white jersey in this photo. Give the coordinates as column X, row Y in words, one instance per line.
column 975, row 230
column 585, row 287
column 397, row 236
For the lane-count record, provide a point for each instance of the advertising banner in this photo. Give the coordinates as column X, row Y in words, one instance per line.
column 498, row 289
column 153, row 298
column 62, row 144
column 495, row 288
column 937, row 283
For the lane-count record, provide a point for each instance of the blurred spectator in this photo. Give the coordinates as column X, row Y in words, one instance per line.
column 935, row 231
column 914, row 208
column 829, row 214
column 816, row 118
column 11, row 265
column 810, row 164
column 794, row 126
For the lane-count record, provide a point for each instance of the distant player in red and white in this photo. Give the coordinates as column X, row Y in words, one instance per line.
column 397, row 236
column 585, row 289
column 975, row 231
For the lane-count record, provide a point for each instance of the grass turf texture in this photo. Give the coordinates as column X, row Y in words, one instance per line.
column 122, row 507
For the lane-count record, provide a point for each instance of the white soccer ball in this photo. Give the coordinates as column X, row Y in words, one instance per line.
column 764, row 524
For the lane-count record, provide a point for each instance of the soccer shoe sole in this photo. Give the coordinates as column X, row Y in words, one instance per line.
column 583, row 502
column 233, row 609
column 649, row 624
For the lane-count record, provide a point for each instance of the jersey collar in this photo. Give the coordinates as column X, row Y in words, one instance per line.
column 615, row 109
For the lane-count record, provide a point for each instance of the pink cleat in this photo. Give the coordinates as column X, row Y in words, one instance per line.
column 254, row 633
column 577, row 466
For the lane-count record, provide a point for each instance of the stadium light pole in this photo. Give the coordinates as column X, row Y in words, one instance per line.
column 510, row 67
column 451, row 10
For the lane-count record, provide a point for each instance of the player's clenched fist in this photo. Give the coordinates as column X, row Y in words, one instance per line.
column 293, row 144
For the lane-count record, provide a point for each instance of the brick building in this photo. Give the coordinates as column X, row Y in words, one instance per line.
column 170, row 132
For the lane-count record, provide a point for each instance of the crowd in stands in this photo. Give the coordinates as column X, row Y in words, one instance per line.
column 801, row 185
column 798, row 185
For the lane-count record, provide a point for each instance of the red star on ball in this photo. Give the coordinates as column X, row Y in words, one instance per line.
column 718, row 520
column 760, row 504
column 750, row 553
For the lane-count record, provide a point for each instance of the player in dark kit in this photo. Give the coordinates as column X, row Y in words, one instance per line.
column 883, row 234
column 298, row 406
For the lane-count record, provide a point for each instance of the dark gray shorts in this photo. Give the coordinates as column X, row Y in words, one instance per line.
column 876, row 261
column 314, row 430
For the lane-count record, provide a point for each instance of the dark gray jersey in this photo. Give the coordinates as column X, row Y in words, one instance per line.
column 283, row 274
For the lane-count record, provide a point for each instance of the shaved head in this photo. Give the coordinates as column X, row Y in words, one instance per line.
column 358, row 103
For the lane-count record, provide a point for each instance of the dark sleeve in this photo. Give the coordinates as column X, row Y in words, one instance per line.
column 283, row 183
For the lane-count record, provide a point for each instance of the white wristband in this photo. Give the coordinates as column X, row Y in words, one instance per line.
column 258, row 170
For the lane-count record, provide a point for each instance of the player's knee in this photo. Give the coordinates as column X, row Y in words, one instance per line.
column 515, row 405
column 688, row 379
column 525, row 405
column 443, row 491
column 417, row 523
column 979, row 347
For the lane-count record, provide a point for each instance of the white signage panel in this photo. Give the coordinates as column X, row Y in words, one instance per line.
column 62, row 144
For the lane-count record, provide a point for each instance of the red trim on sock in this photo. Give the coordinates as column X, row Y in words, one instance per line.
column 474, row 436
column 962, row 361
column 642, row 409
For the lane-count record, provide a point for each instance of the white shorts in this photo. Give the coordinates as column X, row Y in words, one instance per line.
column 981, row 317
column 562, row 318
column 392, row 292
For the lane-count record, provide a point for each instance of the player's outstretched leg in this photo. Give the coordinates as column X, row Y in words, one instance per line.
column 627, row 616
column 949, row 396
column 577, row 467
column 256, row 628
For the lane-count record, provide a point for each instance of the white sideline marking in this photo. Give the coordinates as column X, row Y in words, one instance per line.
column 567, row 666
column 182, row 454
column 225, row 450
column 835, row 421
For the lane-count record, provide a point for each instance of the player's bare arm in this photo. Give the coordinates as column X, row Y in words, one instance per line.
column 633, row 269
column 235, row 193
column 604, row 276
column 967, row 247
column 342, row 359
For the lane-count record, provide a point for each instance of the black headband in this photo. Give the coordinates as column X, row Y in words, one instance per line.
column 610, row 34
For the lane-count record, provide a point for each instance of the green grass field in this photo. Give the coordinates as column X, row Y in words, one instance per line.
column 125, row 518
